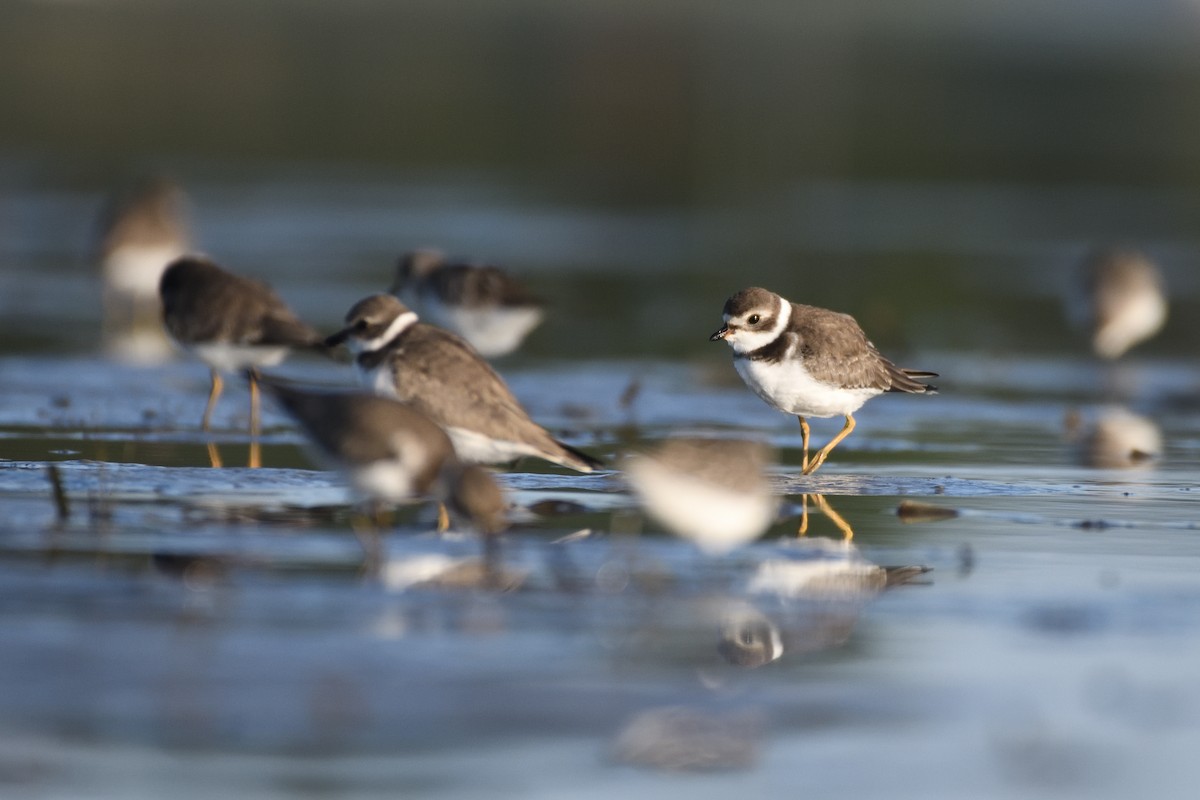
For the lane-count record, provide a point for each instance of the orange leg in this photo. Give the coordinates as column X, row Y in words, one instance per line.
column 823, row 453
column 803, row 516
column 838, row 520
column 214, row 455
column 443, row 522
column 804, row 438
column 366, row 529
column 255, row 460
column 217, row 386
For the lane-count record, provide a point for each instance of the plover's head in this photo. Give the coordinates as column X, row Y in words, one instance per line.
column 372, row 323
column 415, row 265
column 753, row 317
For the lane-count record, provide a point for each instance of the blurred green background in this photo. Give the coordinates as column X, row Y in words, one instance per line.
column 934, row 167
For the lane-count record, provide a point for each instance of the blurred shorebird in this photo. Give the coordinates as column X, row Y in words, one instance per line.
column 139, row 232
column 390, row 453
column 713, row 492
column 809, row 361
column 442, row 376
column 230, row 323
column 1119, row 299
column 482, row 303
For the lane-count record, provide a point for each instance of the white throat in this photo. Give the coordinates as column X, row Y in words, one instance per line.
column 744, row 341
column 399, row 325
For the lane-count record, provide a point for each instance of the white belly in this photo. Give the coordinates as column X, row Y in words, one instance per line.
column 469, row 446
column 475, row 448
column 715, row 518
column 378, row 380
column 787, row 386
column 493, row 331
column 136, row 269
column 233, row 357
column 1139, row 317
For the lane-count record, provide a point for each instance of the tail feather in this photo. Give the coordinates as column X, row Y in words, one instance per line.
column 906, row 380
column 898, row 576
column 579, row 460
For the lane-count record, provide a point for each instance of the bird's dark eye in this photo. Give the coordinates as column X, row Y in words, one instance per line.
column 361, row 325
column 753, row 319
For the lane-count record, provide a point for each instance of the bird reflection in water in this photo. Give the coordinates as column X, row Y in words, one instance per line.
column 825, row 508
column 1116, row 438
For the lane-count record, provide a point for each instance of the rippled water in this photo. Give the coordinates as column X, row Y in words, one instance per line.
column 171, row 629
column 187, row 628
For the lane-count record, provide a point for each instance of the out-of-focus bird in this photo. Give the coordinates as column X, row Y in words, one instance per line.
column 482, row 303
column 230, row 323
column 139, row 231
column 713, row 492
column 1118, row 298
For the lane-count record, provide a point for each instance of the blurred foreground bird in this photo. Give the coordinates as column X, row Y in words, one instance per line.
column 713, row 492
column 391, row 453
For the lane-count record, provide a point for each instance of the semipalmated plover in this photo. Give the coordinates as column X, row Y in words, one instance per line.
column 809, row 361
column 139, row 232
column 1118, row 298
column 480, row 302
column 443, row 376
column 230, row 323
column 713, row 492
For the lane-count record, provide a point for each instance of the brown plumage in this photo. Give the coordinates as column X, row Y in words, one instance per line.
column 444, row 377
column 352, row 431
column 231, row 323
column 809, row 361
column 205, row 304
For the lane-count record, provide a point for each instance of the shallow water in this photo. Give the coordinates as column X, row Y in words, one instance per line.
column 187, row 628
column 169, row 628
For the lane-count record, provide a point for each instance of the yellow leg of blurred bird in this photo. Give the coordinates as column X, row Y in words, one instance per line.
column 804, row 431
column 214, row 456
column 443, row 523
column 823, row 453
column 213, row 394
column 366, row 529
column 838, row 520
column 255, row 460
column 803, row 516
